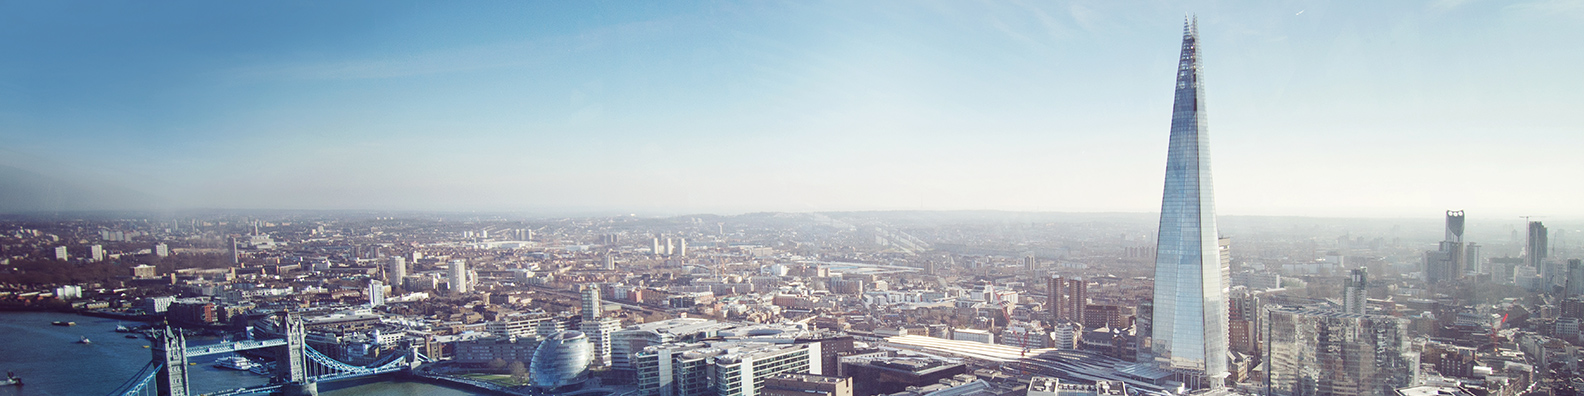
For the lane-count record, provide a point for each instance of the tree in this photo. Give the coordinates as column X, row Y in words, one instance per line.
column 519, row 373
column 497, row 364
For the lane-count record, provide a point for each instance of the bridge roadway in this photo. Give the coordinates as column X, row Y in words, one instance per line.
column 227, row 347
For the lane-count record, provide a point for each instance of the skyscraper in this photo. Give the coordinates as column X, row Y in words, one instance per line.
column 1448, row 261
column 1535, row 253
column 1067, row 299
column 1354, row 298
column 596, row 327
column 460, row 284
column 397, row 270
column 376, row 293
column 1575, row 278
column 1190, row 307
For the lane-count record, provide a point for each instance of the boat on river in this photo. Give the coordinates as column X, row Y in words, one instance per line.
column 63, row 323
column 11, row 379
column 84, row 340
column 235, row 363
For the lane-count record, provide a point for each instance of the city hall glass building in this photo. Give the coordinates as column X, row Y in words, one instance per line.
column 562, row 360
column 1189, row 323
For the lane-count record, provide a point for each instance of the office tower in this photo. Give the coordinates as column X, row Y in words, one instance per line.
column 60, row 253
column 1354, row 298
column 1190, row 319
column 681, row 247
column 1447, row 262
column 396, row 270
column 610, row 260
column 162, row 250
column 376, row 293
column 96, row 253
column 1067, row 299
column 1319, row 353
column 460, row 284
column 1474, row 263
column 1535, row 251
column 236, row 256
column 1575, row 278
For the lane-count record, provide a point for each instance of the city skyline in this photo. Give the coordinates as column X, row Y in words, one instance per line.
column 726, row 108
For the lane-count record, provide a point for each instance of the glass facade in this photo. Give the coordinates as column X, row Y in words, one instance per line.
column 1330, row 353
column 1189, row 323
column 561, row 360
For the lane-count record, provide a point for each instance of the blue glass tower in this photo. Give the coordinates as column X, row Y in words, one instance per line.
column 1189, row 323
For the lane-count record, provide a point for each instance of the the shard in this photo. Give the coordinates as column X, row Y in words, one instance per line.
column 1189, row 323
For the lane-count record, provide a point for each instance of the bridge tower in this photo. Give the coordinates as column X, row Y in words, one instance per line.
column 170, row 352
column 295, row 370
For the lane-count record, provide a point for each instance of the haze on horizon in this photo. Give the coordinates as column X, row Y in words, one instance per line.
column 1358, row 109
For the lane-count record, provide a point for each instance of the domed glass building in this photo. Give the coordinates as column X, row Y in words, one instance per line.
column 562, row 360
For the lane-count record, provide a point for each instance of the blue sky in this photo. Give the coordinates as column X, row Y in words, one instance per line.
column 1317, row 108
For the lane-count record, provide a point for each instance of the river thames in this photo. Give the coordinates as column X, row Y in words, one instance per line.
column 51, row 362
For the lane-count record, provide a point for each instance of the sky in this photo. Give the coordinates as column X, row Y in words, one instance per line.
column 1316, row 108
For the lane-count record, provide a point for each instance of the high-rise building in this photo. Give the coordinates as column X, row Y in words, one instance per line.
column 1535, row 252
column 654, row 247
column 1354, row 296
column 1575, row 278
column 1067, row 299
column 1474, row 262
column 162, row 250
column 681, row 247
column 376, row 293
column 1311, row 352
column 96, row 253
column 460, row 284
column 1190, row 318
column 1448, row 262
column 61, row 254
column 1243, row 320
column 396, row 270
column 596, row 327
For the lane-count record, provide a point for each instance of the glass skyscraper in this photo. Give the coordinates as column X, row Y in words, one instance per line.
column 1189, row 322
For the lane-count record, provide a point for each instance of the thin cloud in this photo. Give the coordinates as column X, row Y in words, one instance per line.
column 467, row 59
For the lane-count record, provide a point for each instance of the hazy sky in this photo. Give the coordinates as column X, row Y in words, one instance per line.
column 1329, row 108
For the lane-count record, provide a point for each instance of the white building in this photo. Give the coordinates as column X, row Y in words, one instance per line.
column 983, row 336
column 376, row 293
column 597, row 328
column 162, row 250
column 459, row 279
column 96, row 253
column 60, row 253
column 396, row 270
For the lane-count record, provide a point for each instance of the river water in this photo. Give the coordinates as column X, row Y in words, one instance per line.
column 51, row 362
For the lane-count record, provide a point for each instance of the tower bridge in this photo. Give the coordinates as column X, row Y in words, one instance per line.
column 299, row 369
